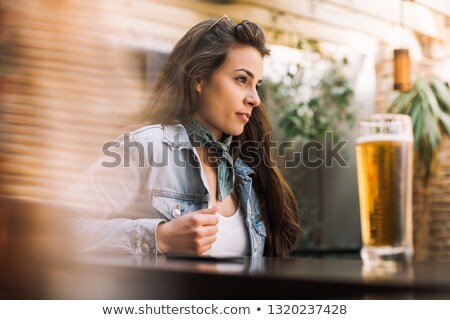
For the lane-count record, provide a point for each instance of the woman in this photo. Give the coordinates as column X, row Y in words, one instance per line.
column 199, row 179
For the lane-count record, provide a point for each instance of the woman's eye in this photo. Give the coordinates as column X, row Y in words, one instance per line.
column 242, row 79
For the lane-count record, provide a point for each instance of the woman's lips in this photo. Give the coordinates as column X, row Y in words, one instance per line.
column 244, row 116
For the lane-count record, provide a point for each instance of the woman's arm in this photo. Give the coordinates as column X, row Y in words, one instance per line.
column 112, row 213
column 108, row 212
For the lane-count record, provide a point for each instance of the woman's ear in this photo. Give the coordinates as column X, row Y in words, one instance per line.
column 198, row 86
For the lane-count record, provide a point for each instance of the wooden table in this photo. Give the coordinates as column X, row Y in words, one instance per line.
column 143, row 277
column 35, row 263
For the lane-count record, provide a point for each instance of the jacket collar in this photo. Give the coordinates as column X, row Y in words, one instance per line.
column 177, row 138
column 242, row 169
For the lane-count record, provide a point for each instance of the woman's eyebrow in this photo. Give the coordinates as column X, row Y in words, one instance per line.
column 248, row 72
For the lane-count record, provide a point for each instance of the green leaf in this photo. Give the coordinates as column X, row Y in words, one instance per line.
column 445, row 122
column 428, row 104
column 430, row 98
column 434, row 136
column 442, row 93
column 402, row 103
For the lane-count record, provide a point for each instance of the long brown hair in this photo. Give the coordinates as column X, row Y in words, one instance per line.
column 195, row 57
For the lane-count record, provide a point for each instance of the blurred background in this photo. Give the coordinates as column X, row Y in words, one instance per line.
column 75, row 73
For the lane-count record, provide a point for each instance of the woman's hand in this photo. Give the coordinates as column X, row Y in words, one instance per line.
column 193, row 232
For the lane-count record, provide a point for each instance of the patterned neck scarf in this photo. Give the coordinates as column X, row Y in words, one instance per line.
column 199, row 135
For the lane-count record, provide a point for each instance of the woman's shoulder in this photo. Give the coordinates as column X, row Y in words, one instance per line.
column 148, row 131
column 157, row 132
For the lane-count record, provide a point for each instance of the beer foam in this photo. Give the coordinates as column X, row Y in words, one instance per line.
column 385, row 137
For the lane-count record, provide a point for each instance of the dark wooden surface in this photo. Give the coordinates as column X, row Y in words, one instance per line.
column 126, row 277
column 129, row 277
column 35, row 263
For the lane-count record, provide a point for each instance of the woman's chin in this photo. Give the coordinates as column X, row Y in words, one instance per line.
column 235, row 131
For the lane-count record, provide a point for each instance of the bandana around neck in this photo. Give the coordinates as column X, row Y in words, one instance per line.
column 201, row 135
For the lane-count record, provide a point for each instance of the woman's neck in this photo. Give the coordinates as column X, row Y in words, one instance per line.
column 216, row 133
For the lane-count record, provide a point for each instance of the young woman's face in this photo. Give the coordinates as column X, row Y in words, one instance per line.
column 227, row 98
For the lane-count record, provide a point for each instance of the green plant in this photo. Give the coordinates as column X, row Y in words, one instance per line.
column 428, row 104
column 308, row 102
column 326, row 108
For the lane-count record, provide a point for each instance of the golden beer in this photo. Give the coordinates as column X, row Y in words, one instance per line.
column 384, row 153
column 384, row 185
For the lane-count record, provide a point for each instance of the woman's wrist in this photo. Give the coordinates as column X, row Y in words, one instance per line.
column 161, row 247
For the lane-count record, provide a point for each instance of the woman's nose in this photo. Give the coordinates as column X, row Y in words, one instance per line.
column 252, row 99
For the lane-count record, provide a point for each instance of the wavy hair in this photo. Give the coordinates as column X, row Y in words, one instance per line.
column 201, row 51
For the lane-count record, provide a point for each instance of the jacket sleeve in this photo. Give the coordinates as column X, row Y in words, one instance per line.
column 102, row 215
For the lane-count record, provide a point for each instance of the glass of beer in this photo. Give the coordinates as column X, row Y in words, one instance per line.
column 384, row 154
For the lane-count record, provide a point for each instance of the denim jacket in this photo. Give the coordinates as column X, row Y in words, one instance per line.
column 143, row 178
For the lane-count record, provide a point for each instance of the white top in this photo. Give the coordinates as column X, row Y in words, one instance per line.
column 232, row 236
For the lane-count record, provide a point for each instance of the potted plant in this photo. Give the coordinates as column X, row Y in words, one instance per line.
column 428, row 105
